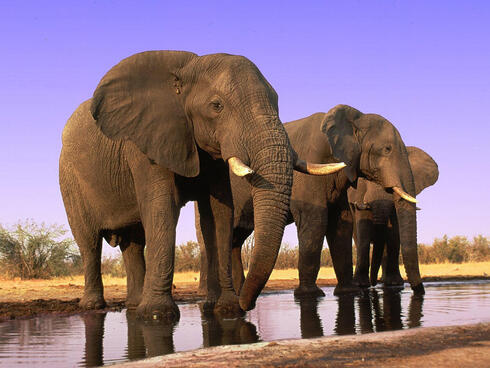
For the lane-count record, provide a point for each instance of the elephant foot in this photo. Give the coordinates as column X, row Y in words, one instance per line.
column 308, row 290
column 361, row 281
column 132, row 302
column 346, row 290
column 419, row 289
column 393, row 280
column 202, row 291
column 228, row 305
column 92, row 301
column 164, row 309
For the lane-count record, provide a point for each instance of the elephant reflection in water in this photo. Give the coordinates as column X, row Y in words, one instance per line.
column 148, row 338
column 373, row 315
column 152, row 338
column 221, row 331
column 145, row 339
column 310, row 322
column 94, row 335
column 376, row 317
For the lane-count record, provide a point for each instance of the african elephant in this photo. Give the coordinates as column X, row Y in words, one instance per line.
column 375, row 221
column 372, row 148
column 164, row 128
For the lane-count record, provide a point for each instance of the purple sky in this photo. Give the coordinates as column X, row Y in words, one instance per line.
column 423, row 65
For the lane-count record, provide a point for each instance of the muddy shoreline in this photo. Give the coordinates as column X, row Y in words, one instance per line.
column 63, row 304
column 453, row 346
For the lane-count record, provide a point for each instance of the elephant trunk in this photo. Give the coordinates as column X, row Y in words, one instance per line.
column 271, row 191
column 407, row 221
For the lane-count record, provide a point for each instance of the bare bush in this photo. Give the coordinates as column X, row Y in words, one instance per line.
column 113, row 266
column 457, row 249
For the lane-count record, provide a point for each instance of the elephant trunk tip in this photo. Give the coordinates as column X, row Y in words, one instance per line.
column 250, row 292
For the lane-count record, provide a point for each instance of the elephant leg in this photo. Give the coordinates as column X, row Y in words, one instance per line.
column 211, row 255
column 160, row 209
column 132, row 247
column 339, row 238
column 311, row 232
column 203, row 272
column 216, row 214
column 379, row 241
column 364, row 228
column 238, row 276
column 90, row 244
column 391, row 266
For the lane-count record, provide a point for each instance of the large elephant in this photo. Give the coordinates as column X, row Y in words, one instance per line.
column 373, row 149
column 375, row 221
column 159, row 131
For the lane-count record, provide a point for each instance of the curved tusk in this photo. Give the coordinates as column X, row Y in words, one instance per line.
column 404, row 195
column 238, row 167
column 317, row 169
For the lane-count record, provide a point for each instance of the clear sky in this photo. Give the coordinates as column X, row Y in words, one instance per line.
column 424, row 65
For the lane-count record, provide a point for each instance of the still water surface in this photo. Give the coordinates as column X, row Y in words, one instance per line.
column 102, row 338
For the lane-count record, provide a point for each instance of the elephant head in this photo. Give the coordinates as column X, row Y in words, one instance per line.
column 174, row 105
column 372, row 148
column 373, row 198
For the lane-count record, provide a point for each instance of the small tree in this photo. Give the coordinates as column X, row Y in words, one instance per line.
column 37, row 251
column 187, row 257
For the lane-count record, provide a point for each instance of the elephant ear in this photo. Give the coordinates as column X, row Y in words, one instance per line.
column 424, row 169
column 140, row 99
column 339, row 126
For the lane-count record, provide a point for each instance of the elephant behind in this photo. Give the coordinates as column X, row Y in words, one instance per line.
column 372, row 148
column 375, row 221
column 164, row 128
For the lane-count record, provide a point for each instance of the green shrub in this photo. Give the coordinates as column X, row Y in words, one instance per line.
column 37, row 251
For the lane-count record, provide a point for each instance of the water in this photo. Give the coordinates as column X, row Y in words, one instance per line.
column 94, row 339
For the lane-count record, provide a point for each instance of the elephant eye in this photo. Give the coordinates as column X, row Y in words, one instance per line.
column 387, row 150
column 217, row 106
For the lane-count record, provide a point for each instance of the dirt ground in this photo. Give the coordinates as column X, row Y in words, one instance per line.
column 457, row 346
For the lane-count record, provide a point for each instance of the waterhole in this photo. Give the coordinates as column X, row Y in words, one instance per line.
column 97, row 338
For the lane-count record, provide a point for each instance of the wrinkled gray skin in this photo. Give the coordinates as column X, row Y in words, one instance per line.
column 156, row 134
column 372, row 148
column 375, row 221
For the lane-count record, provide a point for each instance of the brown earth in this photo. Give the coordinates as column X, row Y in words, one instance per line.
column 22, row 302
column 457, row 346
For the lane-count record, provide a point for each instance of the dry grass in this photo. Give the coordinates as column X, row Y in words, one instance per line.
column 115, row 287
column 454, row 269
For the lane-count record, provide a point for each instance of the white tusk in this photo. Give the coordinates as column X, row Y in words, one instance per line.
column 318, row 169
column 404, row 195
column 238, row 167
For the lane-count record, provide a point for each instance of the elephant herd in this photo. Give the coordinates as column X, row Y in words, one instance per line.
column 167, row 127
